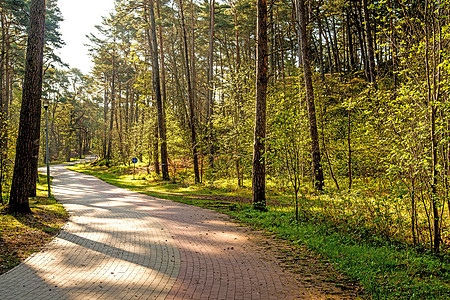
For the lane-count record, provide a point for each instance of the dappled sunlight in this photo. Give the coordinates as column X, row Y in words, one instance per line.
column 91, row 279
column 107, row 250
column 123, row 245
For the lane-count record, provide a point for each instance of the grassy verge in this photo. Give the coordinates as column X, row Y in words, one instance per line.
column 22, row 235
column 386, row 271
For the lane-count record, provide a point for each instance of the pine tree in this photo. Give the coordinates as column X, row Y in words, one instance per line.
column 30, row 114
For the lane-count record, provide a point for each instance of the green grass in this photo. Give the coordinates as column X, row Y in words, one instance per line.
column 22, row 235
column 385, row 270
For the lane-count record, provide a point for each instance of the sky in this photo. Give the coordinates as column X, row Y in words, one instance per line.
column 80, row 18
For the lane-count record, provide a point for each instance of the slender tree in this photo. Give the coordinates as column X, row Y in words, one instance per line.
column 237, row 100
column 433, row 95
column 112, row 113
column 259, row 164
column 307, row 73
column 161, row 55
column 209, row 106
column 30, row 114
column 370, row 48
column 191, row 97
column 157, row 87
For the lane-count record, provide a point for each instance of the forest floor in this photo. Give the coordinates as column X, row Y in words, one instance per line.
column 361, row 265
column 23, row 235
column 344, row 269
column 307, row 267
column 112, row 228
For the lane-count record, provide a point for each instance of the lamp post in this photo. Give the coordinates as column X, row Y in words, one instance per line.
column 46, row 103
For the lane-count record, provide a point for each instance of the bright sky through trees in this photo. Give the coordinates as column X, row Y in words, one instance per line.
column 80, row 17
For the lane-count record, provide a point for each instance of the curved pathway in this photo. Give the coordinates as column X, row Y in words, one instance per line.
column 123, row 245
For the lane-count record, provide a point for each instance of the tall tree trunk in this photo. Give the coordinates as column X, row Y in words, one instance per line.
column 304, row 45
column 335, row 44
column 370, row 49
column 259, row 164
column 361, row 40
column 351, row 51
column 326, row 152
column 119, row 124
column 105, row 117
column 191, row 99
column 392, row 41
column 127, row 109
column 280, row 47
column 163, row 64
column 349, row 123
column 156, row 150
column 271, row 40
column 157, row 87
column 111, row 120
column 30, row 113
column 4, row 101
column 238, row 101
column 327, row 42
column 413, row 208
column 132, row 108
column 432, row 96
column 210, row 104
column 193, row 61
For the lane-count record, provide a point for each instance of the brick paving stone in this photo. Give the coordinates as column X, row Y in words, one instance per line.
column 110, row 249
column 123, row 245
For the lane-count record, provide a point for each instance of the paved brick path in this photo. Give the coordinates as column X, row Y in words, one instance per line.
column 123, row 245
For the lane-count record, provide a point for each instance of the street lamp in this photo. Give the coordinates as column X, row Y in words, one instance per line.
column 46, row 103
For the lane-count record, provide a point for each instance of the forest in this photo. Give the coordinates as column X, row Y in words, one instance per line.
column 341, row 106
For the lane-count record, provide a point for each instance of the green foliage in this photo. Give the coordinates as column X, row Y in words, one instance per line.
column 385, row 271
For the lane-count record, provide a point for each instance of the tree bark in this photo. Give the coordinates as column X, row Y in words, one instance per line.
column 433, row 96
column 370, row 50
column 349, row 124
column 105, row 117
column 157, row 87
column 111, row 120
column 351, row 51
column 163, row 65
column 191, row 99
column 155, row 150
column 259, row 164
column 392, row 44
column 30, row 113
column 361, row 40
column 4, row 101
column 304, row 45
column 210, row 103
column 238, row 101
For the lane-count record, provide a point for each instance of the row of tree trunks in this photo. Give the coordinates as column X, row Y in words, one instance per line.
column 358, row 35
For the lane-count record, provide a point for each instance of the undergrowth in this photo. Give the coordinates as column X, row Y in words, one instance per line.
column 374, row 255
